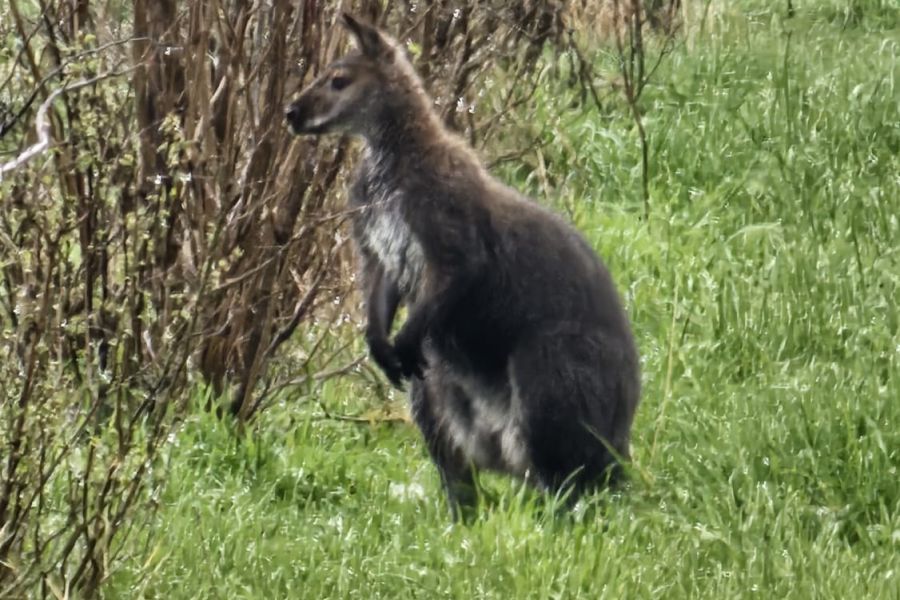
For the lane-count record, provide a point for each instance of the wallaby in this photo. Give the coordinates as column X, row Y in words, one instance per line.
column 519, row 354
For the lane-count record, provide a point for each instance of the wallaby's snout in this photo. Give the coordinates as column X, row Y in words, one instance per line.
column 294, row 117
column 297, row 115
column 311, row 113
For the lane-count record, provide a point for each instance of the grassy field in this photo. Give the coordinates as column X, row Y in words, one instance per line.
column 763, row 291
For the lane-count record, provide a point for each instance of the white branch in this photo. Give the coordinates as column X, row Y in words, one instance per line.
column 42, row 124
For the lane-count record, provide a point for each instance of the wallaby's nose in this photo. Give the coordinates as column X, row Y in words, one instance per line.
column 294, row 116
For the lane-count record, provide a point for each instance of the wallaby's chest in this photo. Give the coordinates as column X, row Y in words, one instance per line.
column 380, row 228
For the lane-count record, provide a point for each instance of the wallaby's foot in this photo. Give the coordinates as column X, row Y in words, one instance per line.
column 462, row 498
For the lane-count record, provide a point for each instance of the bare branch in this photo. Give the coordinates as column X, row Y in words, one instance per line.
column 9, row 124
column 42, row 125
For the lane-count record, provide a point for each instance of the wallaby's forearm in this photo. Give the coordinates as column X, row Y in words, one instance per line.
column 382, row 301
column 427, row 315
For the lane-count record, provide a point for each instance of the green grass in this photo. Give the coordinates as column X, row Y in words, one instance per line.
column 764, row 293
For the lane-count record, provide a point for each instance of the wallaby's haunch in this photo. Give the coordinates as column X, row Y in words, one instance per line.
column 519, row 354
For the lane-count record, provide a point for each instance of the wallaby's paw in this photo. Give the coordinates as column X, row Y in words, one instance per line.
column 408, row 349
column 387, row 360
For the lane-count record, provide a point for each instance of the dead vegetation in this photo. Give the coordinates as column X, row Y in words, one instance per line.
column 608, row 19
column 162, row 232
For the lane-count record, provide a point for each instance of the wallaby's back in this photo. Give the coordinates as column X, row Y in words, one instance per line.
column 519, row 355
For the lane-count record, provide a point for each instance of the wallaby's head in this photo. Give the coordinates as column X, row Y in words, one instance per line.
column 354, row 93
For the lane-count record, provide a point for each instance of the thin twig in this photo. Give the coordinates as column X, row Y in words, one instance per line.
column 6, row 126
column 319, row 377
column 359, row 420
column 42, row 124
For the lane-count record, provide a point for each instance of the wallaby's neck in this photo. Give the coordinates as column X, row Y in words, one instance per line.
column 407, row 130
column 409, row 135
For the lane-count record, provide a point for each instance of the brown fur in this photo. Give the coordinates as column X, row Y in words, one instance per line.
column 519, row 355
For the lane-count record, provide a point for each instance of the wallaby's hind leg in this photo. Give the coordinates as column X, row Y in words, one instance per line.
column 455, row 470
column 577, row 396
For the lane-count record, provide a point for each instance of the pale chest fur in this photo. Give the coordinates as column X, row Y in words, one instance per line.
column 381, row 230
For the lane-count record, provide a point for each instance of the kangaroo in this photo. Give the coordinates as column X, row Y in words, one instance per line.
column 518, row 353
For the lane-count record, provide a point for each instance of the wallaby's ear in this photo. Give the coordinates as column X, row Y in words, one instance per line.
column 369, row 40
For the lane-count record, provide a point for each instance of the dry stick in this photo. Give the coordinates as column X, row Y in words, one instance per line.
column 359, row 420
column 586, row 73
column 24, row 44
column 18, row 435
column 27, row 50
column 508, row 103
column 300, row 311
column 319, row 377
column 45, row 473
column 645, row 158
column 5, row 127
column 631, row 64
column 42, row 124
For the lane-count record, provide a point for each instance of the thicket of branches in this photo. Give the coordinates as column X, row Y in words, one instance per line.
column 161, row 229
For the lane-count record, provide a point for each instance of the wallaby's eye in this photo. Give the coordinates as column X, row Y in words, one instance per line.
column 339, row 82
